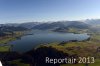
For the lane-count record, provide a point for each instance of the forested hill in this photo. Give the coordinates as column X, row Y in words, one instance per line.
column 5, row 30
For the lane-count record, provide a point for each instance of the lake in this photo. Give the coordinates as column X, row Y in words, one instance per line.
column 28, row 42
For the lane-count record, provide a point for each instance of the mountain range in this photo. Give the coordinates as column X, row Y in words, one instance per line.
column 61, row 24
column 58, row 24
column 93, row 21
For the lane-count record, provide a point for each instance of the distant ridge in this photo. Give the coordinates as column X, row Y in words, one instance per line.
column 57, row 24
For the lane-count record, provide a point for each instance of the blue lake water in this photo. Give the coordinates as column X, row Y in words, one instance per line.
column 28, row 42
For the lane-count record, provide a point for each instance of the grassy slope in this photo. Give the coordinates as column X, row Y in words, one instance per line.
column 17, row 62
column 5, row 40
column 86, row 48
column 4, row 48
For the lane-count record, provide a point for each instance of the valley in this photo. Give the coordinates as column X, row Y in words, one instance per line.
column 55, row 40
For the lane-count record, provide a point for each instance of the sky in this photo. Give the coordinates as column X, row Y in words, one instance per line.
column 17, row 11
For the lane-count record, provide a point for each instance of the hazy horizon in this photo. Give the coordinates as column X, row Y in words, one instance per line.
column 19, row 11
column 46, row 21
